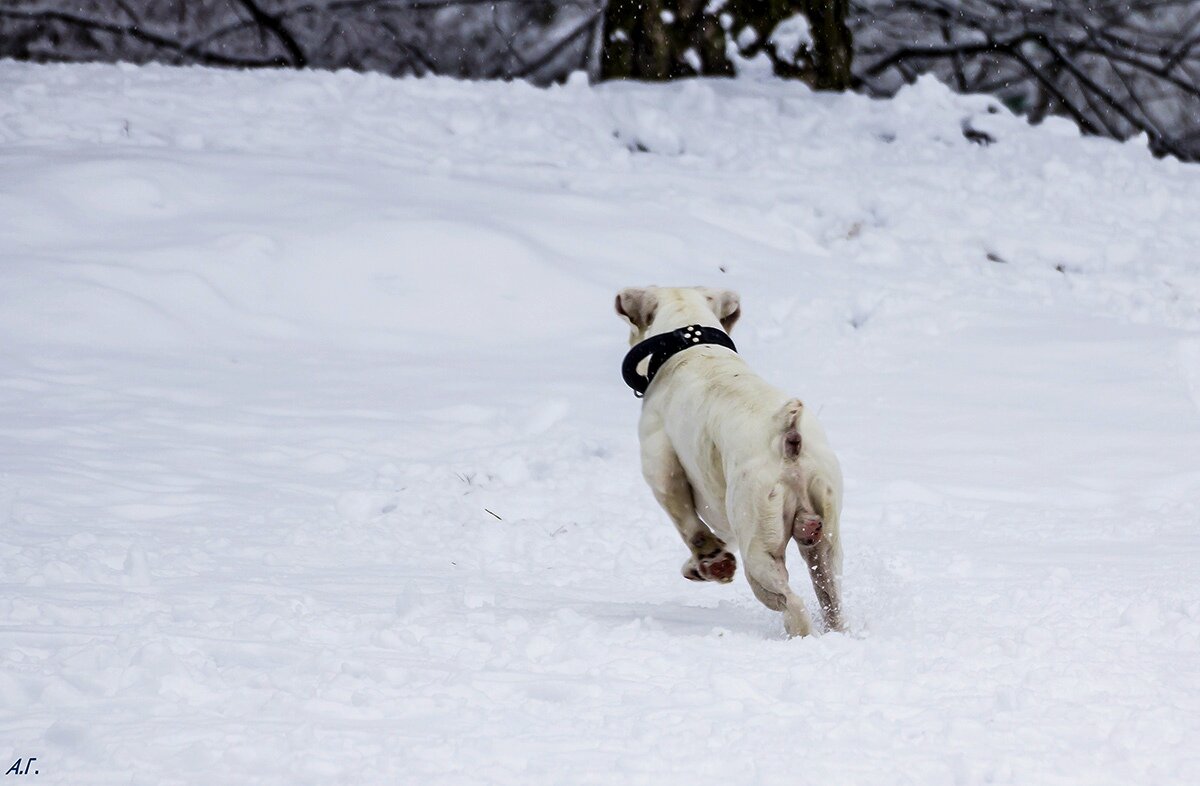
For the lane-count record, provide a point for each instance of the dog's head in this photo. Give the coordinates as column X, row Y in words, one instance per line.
column 653, row 310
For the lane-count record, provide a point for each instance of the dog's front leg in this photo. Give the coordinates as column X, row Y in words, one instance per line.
column 710, row 560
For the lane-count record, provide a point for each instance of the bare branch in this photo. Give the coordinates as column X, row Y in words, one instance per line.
column 138, row 33
column 274, row 25
column 564, row 42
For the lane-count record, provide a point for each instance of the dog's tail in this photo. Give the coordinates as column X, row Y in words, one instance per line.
column 789, row 428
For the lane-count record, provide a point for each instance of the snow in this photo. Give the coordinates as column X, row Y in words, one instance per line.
column 316, row 465
column 791, row 36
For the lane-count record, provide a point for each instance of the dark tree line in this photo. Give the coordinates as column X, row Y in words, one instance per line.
column 540, row 40
column 1115, row 68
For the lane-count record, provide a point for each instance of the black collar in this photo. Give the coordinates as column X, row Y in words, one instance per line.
column 665, row 346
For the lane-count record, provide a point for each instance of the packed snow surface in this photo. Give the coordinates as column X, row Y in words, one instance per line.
column 316, row 465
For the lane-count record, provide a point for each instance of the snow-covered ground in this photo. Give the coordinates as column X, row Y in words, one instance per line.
column 316, row 465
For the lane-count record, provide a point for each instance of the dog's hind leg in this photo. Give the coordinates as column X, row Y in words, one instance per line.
column 763, row 536
column 823, row 554
column 825, row 581
column 710, row 560
column 768, row 578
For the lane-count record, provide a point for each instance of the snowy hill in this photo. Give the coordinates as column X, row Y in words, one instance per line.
column 316, row 465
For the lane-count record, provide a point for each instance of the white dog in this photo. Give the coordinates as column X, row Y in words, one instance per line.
column 722, row 448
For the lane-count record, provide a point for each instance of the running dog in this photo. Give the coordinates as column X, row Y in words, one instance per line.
column 730, row 458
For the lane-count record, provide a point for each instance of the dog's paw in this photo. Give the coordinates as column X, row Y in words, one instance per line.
column 710, row 560
column 797, row 623
column 720, row 568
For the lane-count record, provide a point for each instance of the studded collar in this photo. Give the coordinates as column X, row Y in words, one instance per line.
column 665, row 346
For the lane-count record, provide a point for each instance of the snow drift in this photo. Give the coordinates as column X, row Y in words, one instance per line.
column 316, row 465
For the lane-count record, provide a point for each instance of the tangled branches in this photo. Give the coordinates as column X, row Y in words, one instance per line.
column 1116, row 68
column 497, row 39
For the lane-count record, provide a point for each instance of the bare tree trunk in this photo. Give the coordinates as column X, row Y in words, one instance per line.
column 833, row 48
column 662, row 39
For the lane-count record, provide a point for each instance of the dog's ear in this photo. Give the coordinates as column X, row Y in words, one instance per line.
column 726, row 305
column 637, row 306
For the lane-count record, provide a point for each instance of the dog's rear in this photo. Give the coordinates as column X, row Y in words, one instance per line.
column 792, row 494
